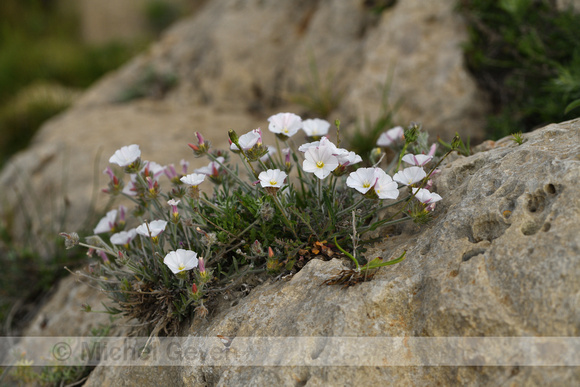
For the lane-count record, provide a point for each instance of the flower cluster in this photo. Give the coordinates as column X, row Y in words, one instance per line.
column 177, row 247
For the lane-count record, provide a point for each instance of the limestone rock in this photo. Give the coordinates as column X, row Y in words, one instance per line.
column 500, row 259
column 62, row 315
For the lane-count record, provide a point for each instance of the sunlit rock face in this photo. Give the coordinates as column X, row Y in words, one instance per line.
column 499, row 260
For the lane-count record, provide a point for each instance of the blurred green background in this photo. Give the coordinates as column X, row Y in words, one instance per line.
column 47, row 58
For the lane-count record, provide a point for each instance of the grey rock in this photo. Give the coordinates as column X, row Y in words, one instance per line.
column 500, row 259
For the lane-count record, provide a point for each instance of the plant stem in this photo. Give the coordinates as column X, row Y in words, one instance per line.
column 284, row 215
column 347, row 254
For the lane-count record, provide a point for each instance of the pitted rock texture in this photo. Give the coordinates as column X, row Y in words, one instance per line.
column 501, row 258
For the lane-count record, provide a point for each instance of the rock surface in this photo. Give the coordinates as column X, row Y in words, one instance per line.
column 238, row 62
column 501, row 259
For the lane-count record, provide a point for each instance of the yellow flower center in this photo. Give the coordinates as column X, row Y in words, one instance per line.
column 366, row 184
column 181, row 267
column 320, row 164
column 273, row 182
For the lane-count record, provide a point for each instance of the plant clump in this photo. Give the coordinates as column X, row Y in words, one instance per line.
column 269, row 213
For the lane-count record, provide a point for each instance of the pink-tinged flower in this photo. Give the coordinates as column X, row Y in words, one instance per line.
column 272, row 178
column 107, row 223
column 131, row 187
column 315, row 127
column 432, row 149
column 115, row 185
column 391, row 136
column 385, row 187
column 126, row 155
column 410, row 176
column 285, row 123
column 212, row 168
column 363, row 179
column 174, row 212
column 248, row 140
column 349, row 158
column 153, row 169
column 123, row 237
column 320, row 161
column 184, row 165
column 171, row 173
column 193, row 179
column 426, row 197
column 202, row 147
column 103, row 256
column 181, row 260
column 417, row 160
column 153, row 229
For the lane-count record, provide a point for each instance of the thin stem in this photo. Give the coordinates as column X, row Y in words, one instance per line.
column 284, row 215
column 401, row 156
column 235, row 176
column 384, row 222
column 351, row 208
column 347, row 254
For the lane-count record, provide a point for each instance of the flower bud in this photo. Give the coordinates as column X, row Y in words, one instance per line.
column 456, row 142
column 233, row 136
column 412, row 132
column 256, row 248
column 70, row 240
column 202, row 147
column 375, row 155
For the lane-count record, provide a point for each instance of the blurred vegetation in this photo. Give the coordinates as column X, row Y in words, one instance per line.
column 526, row 54
column 161, row 14
column 151, row 84
column 41, row 48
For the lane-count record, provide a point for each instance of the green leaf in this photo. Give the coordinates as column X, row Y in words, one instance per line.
column 573, row 105
column 378, row 262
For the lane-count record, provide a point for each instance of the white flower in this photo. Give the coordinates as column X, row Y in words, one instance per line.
column 385, row 187
column 272, row 178
column 181, row 260
column 285, row 123
column 156, row 227
column 107, row 223
column 211, row 167
column 315, row 127
column 193, row 179
column 126, row 155
column 248, row 140
column 308, row 145
column 363, row 179
column 418, row 160
column 349, row 158
column 173, row 202
column 410, row 175
column 320, row 161
column 390, row 136
column 123, row 237
column 325, row 142
column 426, row 197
